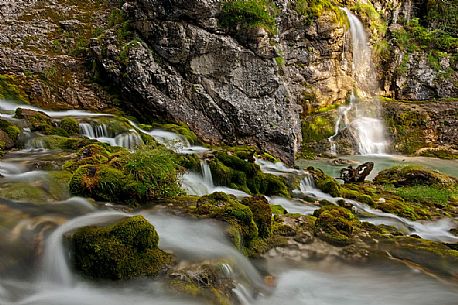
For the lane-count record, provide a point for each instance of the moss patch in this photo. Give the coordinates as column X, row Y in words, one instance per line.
column 124, row 250
column 335, row 225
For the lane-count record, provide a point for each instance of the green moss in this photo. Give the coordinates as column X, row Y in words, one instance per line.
column 312, row 9
column 10, row 129
column 248, row 14
column 24, row 192
column 442, row 153
column 413, row 176
column 120, row 176
column 70, row 126
column 124, row 250
column 242, row 229
column 278, row 209
column 324, row 182
column 262, row 214
column 157, row 170
column 181, row 129
column 9, row 89
column 335, row 225
column 235, row 172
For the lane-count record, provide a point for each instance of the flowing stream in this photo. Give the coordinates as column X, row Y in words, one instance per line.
column 33, row 257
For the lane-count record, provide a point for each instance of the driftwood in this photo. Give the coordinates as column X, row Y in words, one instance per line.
column 358, row 174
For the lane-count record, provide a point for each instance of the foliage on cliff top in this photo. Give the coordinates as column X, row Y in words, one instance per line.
column 247, row 14
column 414, row 37
column 442, row 15
column 312, row 9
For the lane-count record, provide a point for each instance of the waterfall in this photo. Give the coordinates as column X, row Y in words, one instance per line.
column 130, row 140
column 366, row 128
column 200, row 184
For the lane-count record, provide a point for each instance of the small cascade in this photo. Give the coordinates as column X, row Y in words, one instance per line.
column 366, row 128
column 94, row 132
column 277, row 168
column 206, row 173
column 200, row 184
column 55, row 268
column 130, row 140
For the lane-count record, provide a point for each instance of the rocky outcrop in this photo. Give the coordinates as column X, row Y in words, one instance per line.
column 419, row 127
column 239, row 89
column 40, row 57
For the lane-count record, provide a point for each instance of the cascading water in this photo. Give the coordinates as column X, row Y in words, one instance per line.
column 366, row 128
column 130, row 140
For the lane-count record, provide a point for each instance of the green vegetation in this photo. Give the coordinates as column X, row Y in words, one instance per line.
column 442, row 15
column 407, row 128
column 335, row 225
column 9, row 89
column 312, row 9
column 400, row 176
column 119, row 176
column 414, row 37
column 238, row 171
column 248, row 14
column 124, row 250
column 316, row 129
column 242, row 229
column 369, row 15
column 324, row 182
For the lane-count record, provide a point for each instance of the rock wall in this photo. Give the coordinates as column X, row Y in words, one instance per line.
column 245, row 87
column 423, row 128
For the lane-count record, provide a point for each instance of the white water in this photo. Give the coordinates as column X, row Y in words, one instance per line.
column 10, row 106
column 130, row 140
column 432, row 230
column 200, row 184
column 175, row 142
column 367, row 128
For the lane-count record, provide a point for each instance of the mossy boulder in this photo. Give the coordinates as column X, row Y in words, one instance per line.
column 207, row 281
column 414, row 175
column 335, row 225
column 239, row 171
column 70, row 126
column 9, row 134
column 123, row 177
column 242, row 229
column 37, row 120
column 124, row 250
column 324, row 182
column 262, row 214
column 103, row 183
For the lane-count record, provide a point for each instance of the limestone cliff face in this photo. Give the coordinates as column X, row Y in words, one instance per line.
column 248, row 88
column 41, row 43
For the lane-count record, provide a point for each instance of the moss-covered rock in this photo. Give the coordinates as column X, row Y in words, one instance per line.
column 414, row 175
column 9, row 134
column 37, row 120
column 124, row 250
column 207, row 281
column 335, row 225
column 70, row 126
column 242, row 229
column 262, row 214
column 240, row 172
column 324, row 182
column 120, row 176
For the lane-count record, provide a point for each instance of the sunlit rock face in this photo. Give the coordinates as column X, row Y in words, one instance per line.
column 237, row 86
